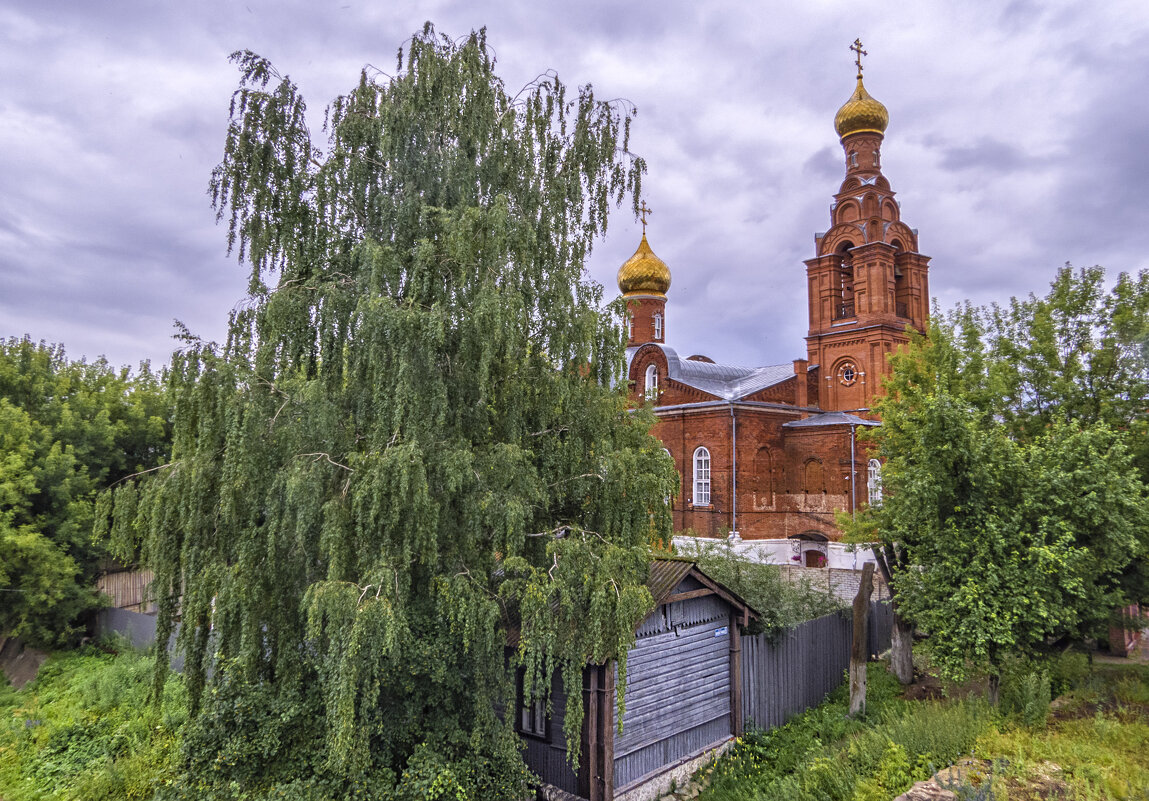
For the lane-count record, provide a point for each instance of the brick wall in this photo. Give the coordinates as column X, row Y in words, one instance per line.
column 842, row 583
column 789, row 481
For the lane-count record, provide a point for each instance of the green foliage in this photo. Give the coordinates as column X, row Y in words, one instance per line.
column 1025, row 694
column 823, row 754
column 1006, row 542
column 892, row 776
column 1067, row 671
column 415, row 437
column 1096, row 747
column 85, row 729
column 781, row 604
column 67, row 430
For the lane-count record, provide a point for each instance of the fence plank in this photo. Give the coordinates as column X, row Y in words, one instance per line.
column 796, row 671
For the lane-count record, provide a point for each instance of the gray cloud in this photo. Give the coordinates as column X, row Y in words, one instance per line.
column 1016, row 142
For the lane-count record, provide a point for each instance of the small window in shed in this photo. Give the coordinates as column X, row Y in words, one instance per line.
column 532, row 713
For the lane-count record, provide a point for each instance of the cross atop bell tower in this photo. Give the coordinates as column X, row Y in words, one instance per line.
column 867, row 281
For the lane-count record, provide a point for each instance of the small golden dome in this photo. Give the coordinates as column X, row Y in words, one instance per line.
column 861, row 114
column 644, row 273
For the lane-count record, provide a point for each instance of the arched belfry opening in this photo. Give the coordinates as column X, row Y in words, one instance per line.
column 844, row 308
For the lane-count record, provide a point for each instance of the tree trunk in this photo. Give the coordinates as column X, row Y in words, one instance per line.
column 994, row 689
column 860, row 649
column 901, row 649
column 902, row 632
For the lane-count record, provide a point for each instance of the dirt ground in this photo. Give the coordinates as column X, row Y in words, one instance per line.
column 19, row 664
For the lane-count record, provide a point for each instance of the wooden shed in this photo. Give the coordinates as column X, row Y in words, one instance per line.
column 683, row 697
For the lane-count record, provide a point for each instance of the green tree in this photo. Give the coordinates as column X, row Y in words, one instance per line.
column 1079, row 353
column 416, row 437
column 1004, row 543
column 69, row 429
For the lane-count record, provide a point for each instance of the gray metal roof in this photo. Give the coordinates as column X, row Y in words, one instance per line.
column 725, row 381
column 830, row 419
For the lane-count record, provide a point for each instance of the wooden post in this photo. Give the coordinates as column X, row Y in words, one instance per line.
column 607, row 728
column 736, row 720
column 860, row 648
column 588, row 769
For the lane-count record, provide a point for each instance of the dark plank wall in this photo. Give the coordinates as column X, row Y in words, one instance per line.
column 548, row 759
column 678, row 688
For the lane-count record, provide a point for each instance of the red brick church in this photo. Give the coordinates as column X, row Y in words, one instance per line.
column 770, row 452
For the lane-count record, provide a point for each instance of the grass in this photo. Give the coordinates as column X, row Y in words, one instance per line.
column 1093, row 745
column 85, row 729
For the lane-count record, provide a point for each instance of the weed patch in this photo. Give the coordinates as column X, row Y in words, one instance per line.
column 85, row 728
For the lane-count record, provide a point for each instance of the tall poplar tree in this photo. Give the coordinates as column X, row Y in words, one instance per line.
column 415, row 438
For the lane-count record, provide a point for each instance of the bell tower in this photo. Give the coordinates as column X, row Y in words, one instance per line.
column 867, row 281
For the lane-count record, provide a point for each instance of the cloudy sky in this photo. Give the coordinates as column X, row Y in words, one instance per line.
column 1018, row 140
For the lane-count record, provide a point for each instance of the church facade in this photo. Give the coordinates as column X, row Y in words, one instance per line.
column 771, row 452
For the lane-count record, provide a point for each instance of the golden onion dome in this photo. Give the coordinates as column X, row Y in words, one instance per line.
column 644, row 273
column 861, row 114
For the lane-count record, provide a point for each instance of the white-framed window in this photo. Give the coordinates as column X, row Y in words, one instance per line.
column 651, row 384
column 874, row 482
column 629, row 326
column 658, row 326
column 701, row 477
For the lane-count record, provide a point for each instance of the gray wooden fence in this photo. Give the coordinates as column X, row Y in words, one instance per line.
column 779, row 679
column 795, row 671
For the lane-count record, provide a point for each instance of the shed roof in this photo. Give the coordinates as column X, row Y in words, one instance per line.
column 667, row 573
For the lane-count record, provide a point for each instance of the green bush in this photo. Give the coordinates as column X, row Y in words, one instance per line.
column 893, row 775
column 1067, row 671
column 1025, row 695
column 779, row 602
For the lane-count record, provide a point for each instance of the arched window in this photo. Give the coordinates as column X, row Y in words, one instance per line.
column 630, row 326
column 658, row 326
column 651, row 382
column 702, row 477
column 874, row 482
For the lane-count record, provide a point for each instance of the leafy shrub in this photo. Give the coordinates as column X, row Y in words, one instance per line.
column 1067, row 671
column 893, row 775
column 779, row 602
column 1025, row 695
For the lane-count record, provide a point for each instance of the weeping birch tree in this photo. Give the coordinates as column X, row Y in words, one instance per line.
column 415, row 437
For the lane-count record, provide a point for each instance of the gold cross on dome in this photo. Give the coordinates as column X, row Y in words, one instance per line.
column 857, row 48
column 645, row 211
